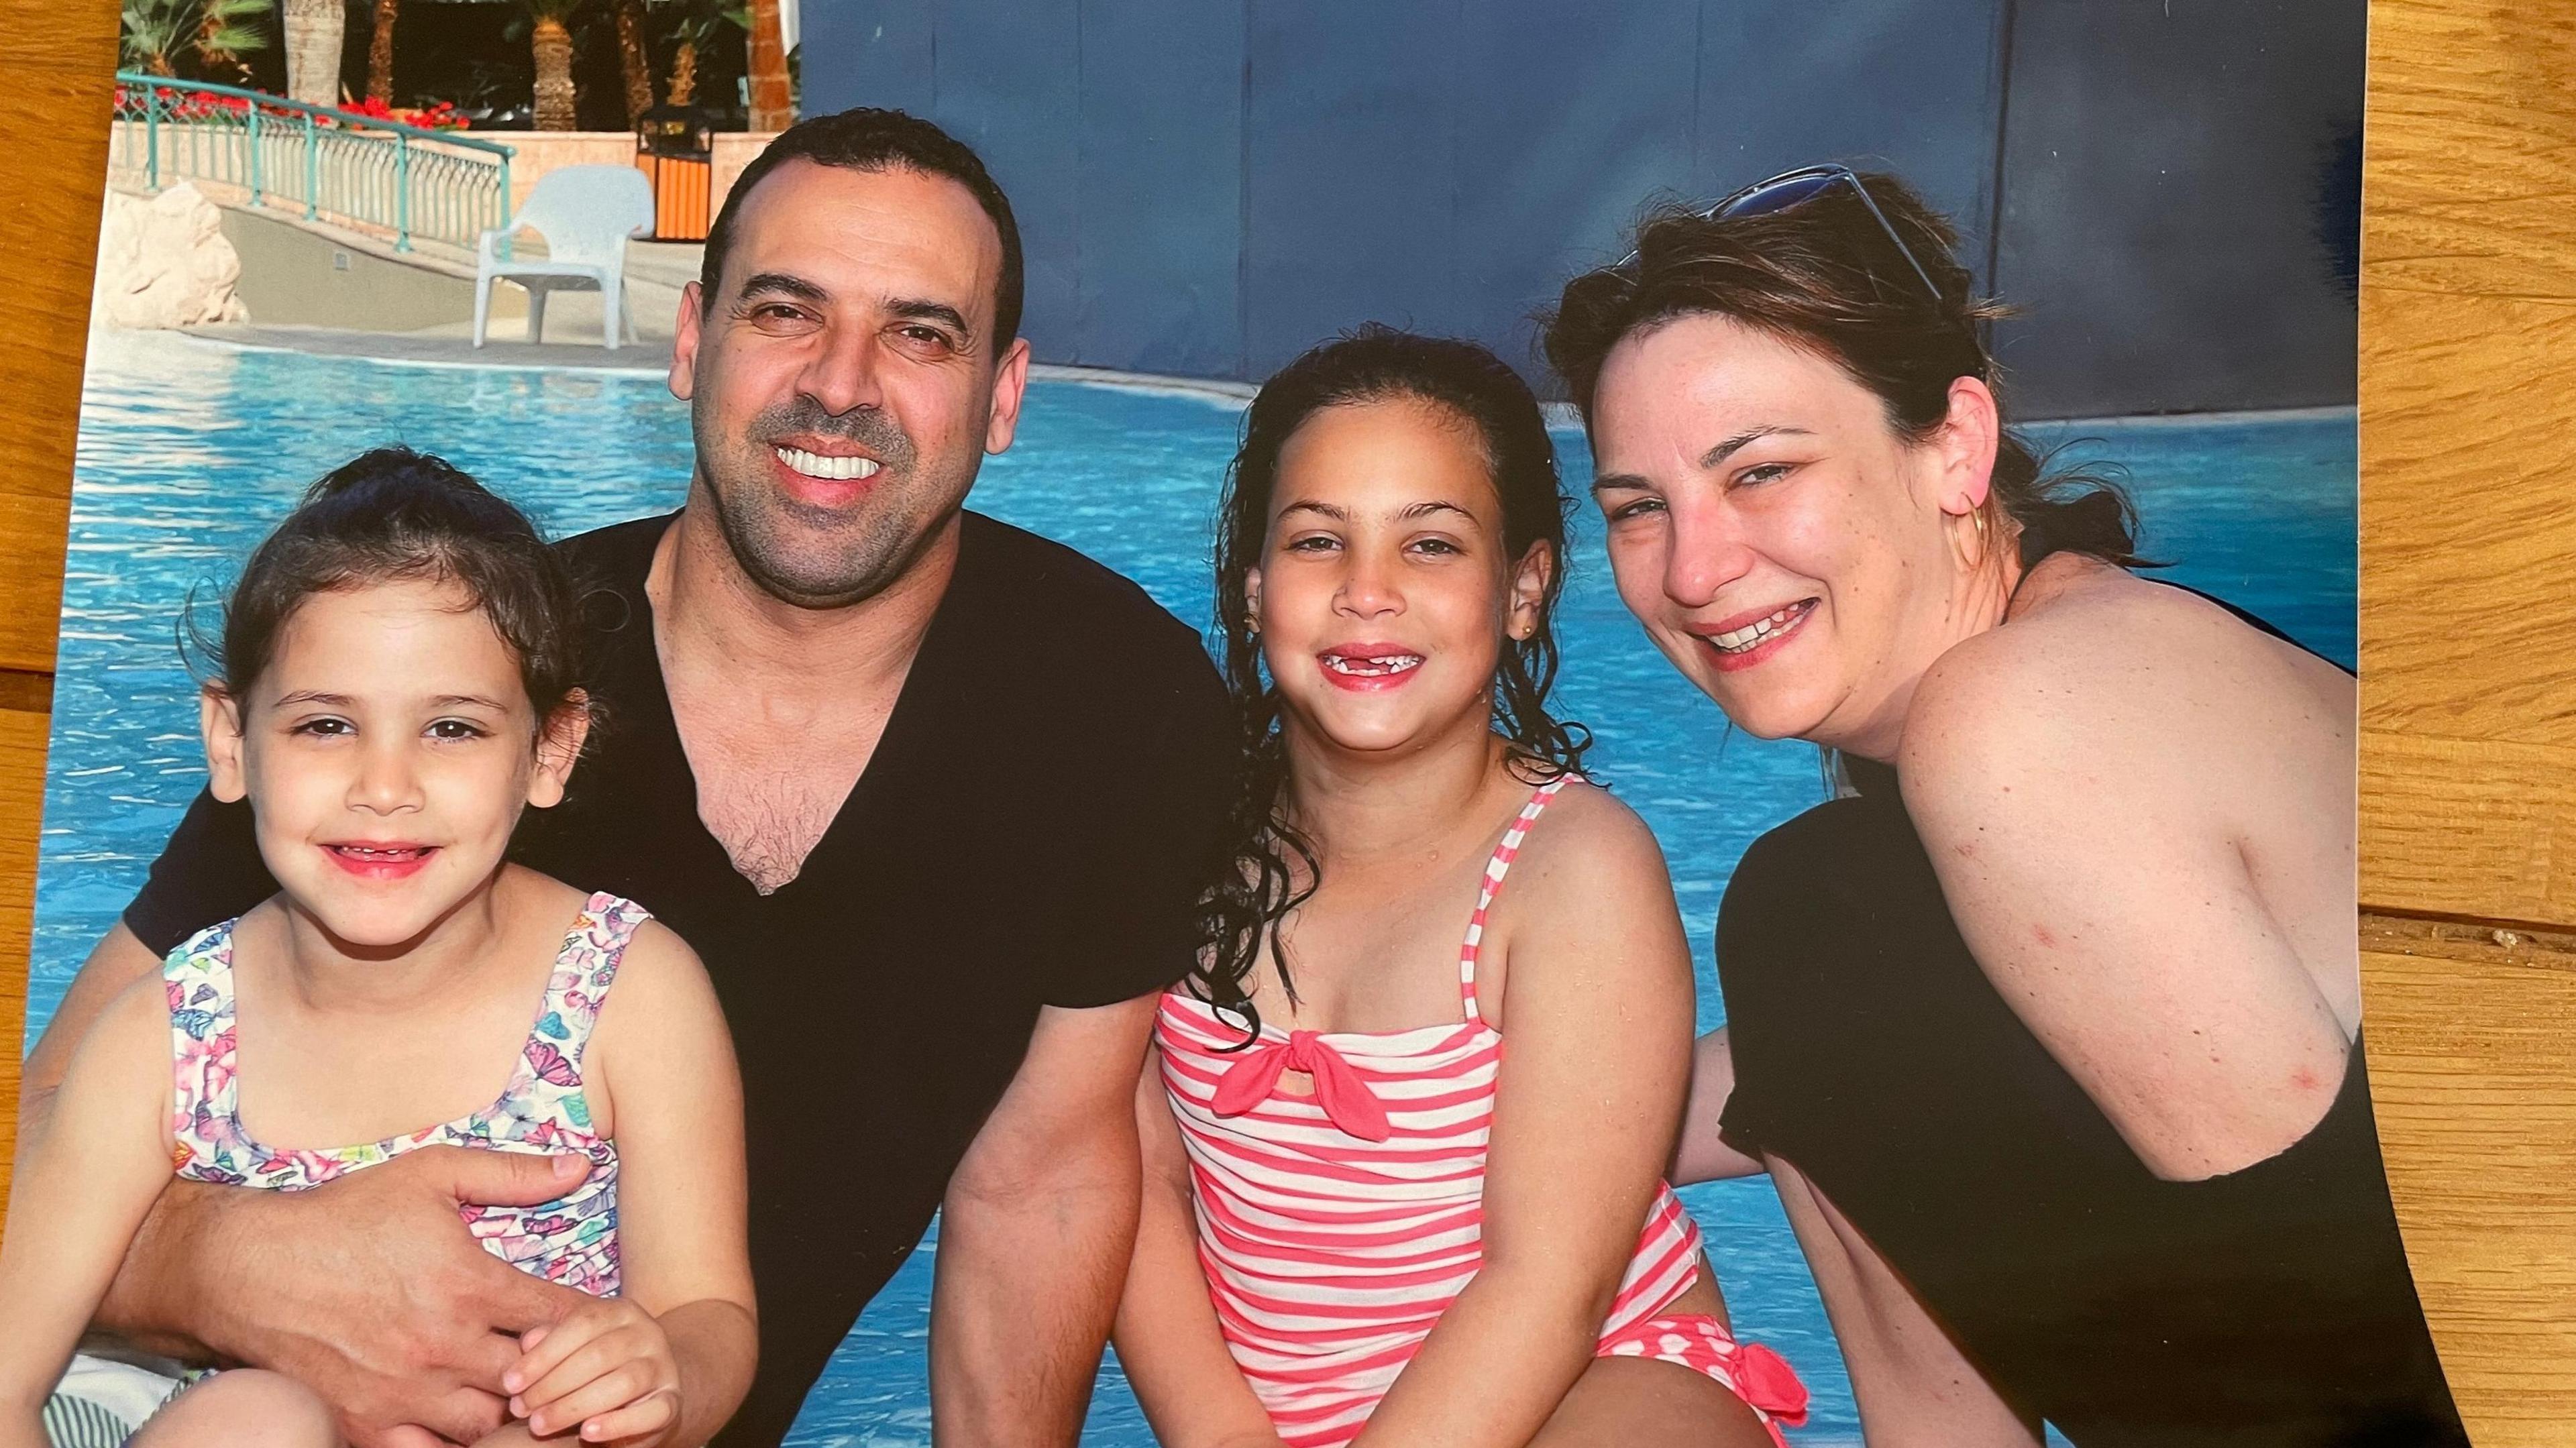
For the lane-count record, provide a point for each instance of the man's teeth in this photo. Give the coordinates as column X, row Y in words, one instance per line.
column 1376, row 668
column 833, row 469
column 1736, row 641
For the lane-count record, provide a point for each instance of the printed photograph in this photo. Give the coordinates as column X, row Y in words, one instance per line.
column 1232, row 725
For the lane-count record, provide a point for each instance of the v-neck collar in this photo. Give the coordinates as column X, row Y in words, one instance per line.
column 646, row 732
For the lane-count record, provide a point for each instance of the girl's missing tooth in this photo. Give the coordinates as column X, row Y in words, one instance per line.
column 393, row 683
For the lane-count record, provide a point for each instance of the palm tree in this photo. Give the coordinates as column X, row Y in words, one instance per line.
column 315, row 32
column 638, row 65
column 380, row 52
column 550, row 39
column 156, row 32
column 696, row 26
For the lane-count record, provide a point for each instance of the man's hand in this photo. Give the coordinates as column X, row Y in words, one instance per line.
column 368, row 1290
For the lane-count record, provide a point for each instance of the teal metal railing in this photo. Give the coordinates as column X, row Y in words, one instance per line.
column 330, row 165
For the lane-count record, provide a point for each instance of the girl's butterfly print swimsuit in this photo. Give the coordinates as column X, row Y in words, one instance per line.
column 572, row 1241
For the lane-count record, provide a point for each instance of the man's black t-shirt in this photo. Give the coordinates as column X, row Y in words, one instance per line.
column 1032, row 830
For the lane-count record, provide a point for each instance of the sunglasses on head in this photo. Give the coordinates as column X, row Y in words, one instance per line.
column 1795, row 188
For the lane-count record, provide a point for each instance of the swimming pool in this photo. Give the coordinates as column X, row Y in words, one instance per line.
column 189, row 451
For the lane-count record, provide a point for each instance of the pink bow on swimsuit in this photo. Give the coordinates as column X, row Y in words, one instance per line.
column 1346, row 1099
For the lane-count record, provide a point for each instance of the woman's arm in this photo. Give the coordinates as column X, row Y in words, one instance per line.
column 2093, row 788
column 665, row 1058
column 1597, row 1060
column 1167, row 1334
column 1915, row 1388
column 1703, row 1154
column 84, row 1181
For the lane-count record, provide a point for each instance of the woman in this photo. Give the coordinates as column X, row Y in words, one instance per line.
column 2049, row 1030
column 1356, row 1225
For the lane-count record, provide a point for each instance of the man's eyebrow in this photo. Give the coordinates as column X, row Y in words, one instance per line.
column 784, row 282
column 1620, row 482
column 927, row 311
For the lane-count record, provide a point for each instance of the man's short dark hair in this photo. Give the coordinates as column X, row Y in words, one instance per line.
column 868, row 139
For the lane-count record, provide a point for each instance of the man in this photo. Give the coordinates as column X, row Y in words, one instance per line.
column 932, row 797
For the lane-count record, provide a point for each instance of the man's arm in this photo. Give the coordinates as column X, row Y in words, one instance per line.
column 1034, row 1235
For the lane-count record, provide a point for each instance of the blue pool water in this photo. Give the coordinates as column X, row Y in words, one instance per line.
column 189, row 451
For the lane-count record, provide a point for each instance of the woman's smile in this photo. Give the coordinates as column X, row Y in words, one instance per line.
column 1748, row 639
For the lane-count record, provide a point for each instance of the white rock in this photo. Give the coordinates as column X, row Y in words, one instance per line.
column 163, row 262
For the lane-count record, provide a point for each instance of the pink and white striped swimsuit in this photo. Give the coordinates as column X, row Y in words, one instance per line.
column 1336, row 1228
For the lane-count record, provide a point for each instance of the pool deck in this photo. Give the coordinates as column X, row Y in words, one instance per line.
column 453, row 346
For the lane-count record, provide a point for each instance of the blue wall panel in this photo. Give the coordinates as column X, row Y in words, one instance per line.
column 1350, row 171
column 1207, row 187
column 1162, row 186
column 1564, row 123
column 876, row 53
column 2178, row 189
column 1006, row 83
column 1908, row 86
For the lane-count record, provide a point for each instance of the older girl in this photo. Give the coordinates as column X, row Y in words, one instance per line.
column 1367, row 1220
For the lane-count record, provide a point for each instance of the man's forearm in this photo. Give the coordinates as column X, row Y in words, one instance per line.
column 152, row 1302
column 1026, row 1289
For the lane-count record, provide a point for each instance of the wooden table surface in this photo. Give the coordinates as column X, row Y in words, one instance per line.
column 2468, row 633
column 53, row 164
column 2468, row 683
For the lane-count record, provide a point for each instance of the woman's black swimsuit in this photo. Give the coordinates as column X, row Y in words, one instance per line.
column 2270, row 1306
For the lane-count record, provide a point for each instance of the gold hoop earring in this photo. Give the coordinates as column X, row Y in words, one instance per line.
column 1976, row 558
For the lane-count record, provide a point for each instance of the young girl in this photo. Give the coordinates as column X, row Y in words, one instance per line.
column 395, row 684
column 1360, row 1223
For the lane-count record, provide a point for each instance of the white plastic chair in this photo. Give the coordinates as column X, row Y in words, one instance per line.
column 585, row 213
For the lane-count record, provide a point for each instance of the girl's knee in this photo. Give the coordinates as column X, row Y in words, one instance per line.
column 245, row 1408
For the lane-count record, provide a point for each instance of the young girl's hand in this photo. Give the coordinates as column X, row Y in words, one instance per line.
column 607, row 1366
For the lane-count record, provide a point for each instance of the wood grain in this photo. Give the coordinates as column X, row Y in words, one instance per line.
column 53, row 166
column 2476, row 1119
column 2484, row 828
column 2468, row 672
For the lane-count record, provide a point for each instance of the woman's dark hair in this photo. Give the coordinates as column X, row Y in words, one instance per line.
column 397, row 515
column 1825, row 276
column 1259, row 886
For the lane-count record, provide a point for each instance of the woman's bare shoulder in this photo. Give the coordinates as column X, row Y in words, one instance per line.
column 2098, row 662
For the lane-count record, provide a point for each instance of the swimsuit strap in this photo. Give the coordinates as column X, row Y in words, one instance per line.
column 1495, row 868
column 549, row 1065
column 197, row 977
